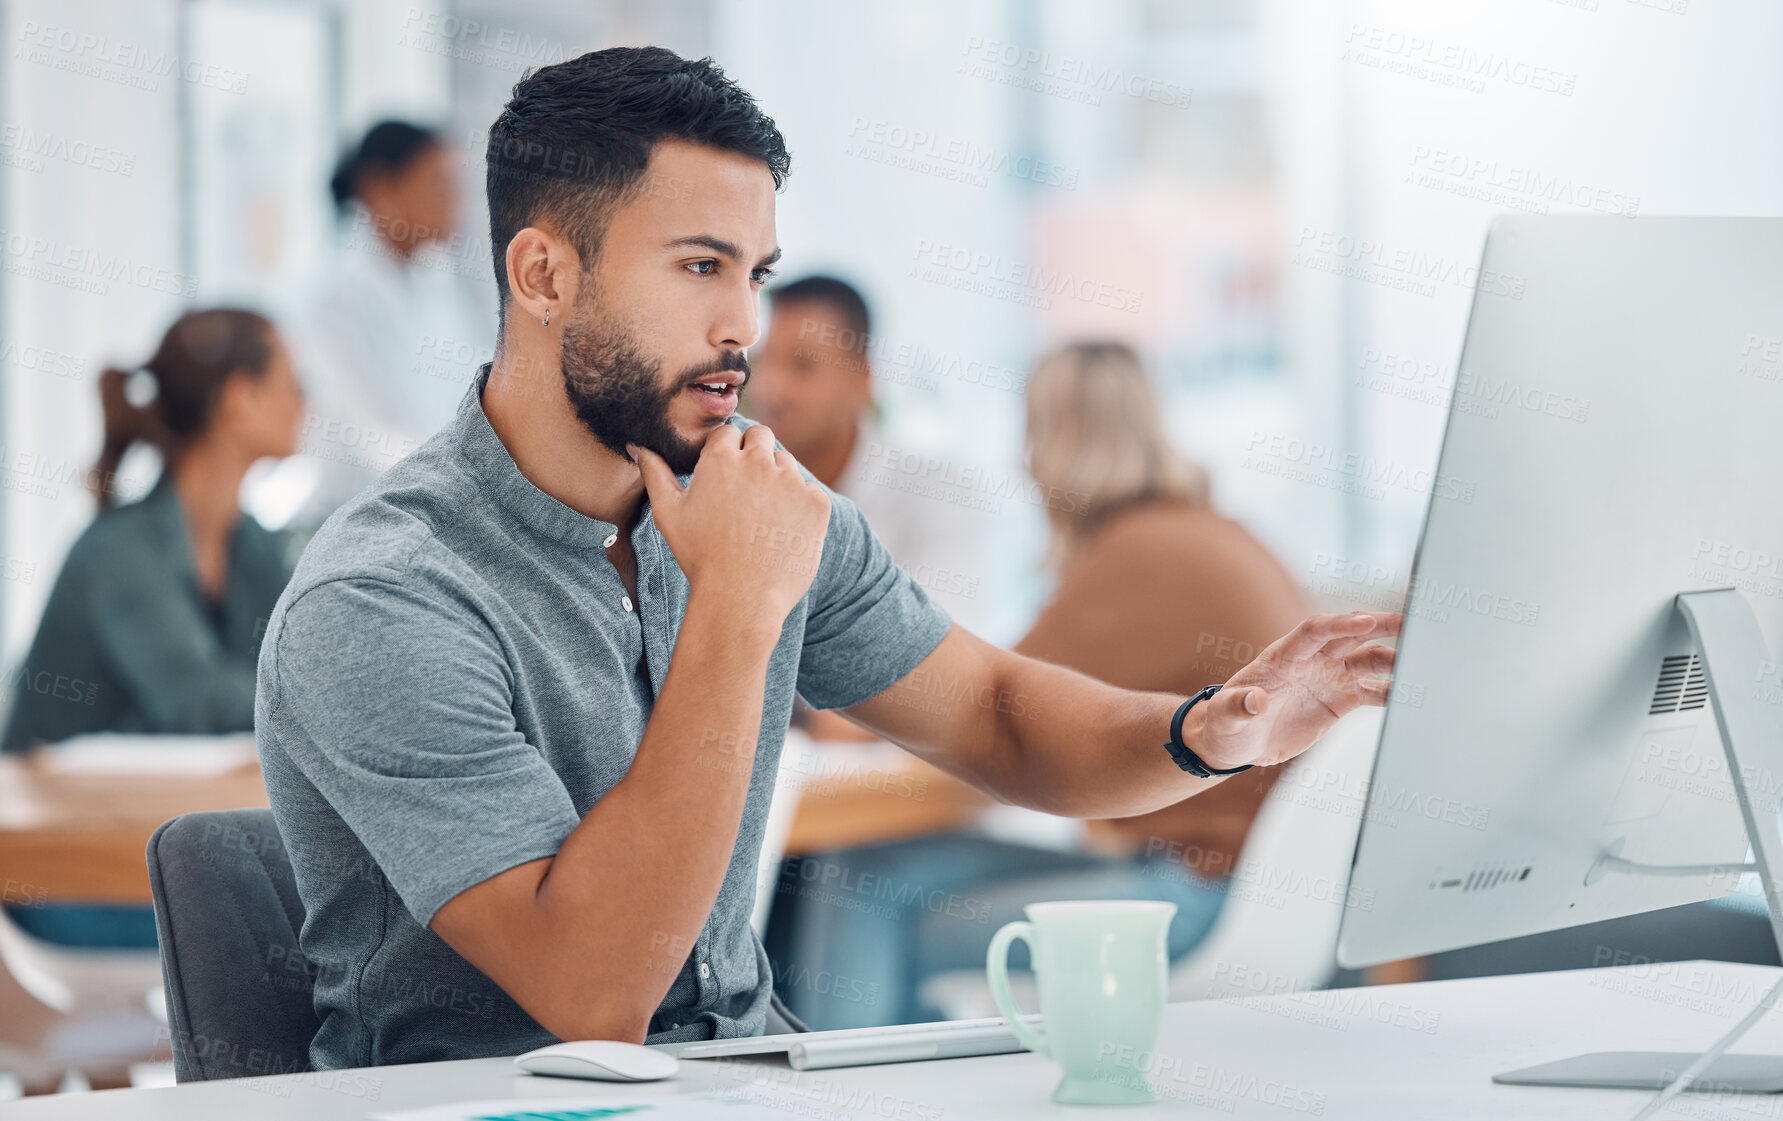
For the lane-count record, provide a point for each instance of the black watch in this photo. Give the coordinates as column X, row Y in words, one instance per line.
column 1180, row 752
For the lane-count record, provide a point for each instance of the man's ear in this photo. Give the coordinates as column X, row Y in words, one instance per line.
column 543, row 272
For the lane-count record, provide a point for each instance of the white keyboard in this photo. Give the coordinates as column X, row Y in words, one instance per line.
column 899, row 1043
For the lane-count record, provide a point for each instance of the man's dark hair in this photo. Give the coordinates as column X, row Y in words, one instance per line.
column 575, row 137
column 837, row 295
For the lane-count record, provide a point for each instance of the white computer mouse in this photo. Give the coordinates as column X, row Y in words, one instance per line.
column 608, row 1060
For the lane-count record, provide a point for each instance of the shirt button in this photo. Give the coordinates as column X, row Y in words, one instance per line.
column 625, row 602
column 705, row 971
column 612, row 539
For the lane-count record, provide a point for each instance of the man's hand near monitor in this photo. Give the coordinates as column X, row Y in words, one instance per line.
column 1094, row 751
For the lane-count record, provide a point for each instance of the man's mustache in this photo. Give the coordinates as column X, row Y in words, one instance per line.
column 729, row 361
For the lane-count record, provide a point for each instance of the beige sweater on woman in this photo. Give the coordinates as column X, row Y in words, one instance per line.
column 1170, row 597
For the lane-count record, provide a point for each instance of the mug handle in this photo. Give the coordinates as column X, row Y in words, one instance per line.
column 996, row 968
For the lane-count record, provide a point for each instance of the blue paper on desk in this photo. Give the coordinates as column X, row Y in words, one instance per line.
column 686, row 1107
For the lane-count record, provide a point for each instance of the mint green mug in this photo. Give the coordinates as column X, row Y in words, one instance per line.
column 1102, row 967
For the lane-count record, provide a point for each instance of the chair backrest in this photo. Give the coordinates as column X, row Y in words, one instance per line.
column 1278, row 929
column 239, row 989
column 796, row 759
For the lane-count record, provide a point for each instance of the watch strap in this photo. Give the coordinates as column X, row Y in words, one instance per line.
column 1180, row 752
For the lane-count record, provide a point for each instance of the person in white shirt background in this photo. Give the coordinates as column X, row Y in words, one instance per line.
column 388, row 337
column 811, row 381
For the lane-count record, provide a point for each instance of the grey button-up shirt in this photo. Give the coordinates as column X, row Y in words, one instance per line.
column 454, row 676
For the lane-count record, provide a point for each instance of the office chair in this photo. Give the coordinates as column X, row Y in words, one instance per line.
column 796, row 757
column 70, row 1008
column 227, row 914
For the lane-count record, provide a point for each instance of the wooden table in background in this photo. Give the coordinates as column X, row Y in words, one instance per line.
column 888, row 795
column 81, row 837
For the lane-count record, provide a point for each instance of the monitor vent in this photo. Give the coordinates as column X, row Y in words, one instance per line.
column 1681, row 686
column 1483, row 879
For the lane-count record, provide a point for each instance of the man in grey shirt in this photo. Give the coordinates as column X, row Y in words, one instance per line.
column 520, row 708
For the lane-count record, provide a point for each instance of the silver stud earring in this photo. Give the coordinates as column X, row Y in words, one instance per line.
column 547, row 320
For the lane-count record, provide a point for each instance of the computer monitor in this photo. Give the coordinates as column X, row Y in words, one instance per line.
column 1615, row 439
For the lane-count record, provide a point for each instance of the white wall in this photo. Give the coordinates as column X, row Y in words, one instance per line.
column 849, row 85
column 91, row 251
column 1670, row 107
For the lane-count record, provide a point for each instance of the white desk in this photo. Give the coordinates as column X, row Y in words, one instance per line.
column 1412, row 1051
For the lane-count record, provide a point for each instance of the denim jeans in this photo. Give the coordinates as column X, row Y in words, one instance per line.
column 90, row 926
column 852, row 935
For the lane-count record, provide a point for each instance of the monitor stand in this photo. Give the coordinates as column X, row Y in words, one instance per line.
column 1734, row 661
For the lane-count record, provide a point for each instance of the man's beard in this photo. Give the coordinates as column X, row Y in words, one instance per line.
column 620, row 395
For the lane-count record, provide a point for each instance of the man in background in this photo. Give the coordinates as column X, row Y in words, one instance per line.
column 811, row 381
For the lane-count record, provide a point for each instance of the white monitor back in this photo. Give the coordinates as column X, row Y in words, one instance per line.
column 1615, row 438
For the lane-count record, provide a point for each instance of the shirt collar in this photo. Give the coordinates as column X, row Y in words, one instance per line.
column 501, row 477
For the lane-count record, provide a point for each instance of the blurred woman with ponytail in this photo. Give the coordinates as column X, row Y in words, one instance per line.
column 155, row 618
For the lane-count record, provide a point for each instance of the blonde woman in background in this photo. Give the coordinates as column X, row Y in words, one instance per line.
column 1120, row 614
column 1155, row 591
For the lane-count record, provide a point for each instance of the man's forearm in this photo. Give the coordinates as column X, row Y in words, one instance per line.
column 1090, row 750
column 1096, row 752
column 1035, row 734
column 623, row 901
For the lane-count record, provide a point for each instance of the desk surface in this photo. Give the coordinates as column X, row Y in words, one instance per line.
column 1416, row 1051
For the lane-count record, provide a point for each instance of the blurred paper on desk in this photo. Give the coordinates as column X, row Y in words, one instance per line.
column 113, row 753
column 732, row 1104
